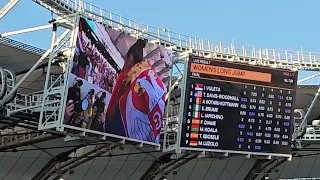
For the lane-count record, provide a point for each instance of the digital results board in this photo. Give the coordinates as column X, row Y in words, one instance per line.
column 238, row 107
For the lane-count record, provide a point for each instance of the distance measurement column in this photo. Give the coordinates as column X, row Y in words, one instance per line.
column 252, row 121
column 265, row 118
column 284, row 119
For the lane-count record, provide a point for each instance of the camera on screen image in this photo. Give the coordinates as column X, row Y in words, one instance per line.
column 74, row 94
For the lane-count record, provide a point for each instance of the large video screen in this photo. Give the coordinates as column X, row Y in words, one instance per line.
column 118, row 84
column 238, row 107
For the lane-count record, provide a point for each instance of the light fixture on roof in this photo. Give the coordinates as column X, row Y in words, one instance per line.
column 163, row 178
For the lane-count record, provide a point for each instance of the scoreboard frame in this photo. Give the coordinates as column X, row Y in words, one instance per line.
column 182, row 110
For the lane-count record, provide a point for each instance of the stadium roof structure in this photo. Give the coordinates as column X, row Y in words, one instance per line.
column 33, row 153
column 20, row 57
column 129, row 163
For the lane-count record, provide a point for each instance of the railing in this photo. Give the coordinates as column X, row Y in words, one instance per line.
column 32, row 102
column 312, row 133
column 181, row 41
column 25, row 100
column 172, row 126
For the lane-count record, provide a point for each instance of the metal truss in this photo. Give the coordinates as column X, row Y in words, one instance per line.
column 7, row 7
column 18, row 139
column 53, row 162
column 174, row 99
column 256, row 169
column 24, row 106
column 25, row 47
column 62, row 48
column 61, row 168
column 167, row 164
column 262, row 168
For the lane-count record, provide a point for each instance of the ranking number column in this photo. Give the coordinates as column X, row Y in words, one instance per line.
column 193, row 115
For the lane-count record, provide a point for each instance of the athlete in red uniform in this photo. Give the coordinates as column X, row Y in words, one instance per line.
column 140, row 96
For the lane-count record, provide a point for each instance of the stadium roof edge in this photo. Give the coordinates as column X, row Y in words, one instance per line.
column 22, row 46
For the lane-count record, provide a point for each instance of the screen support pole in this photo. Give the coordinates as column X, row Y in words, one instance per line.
column 167, row 115
column 38, row 28
column 69, row 63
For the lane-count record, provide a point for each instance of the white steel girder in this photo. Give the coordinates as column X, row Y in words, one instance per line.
column 62, row 168
column 57, row 87
column 39, row 28
column 52, row 51
column 7, row 7
column 65, row 45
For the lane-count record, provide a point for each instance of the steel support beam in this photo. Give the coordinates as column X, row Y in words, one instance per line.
column 72, row 161
column 165, row 158
column 22, row 31
column 308, row 78
column 256, row 169
column 32, row 140
column 99, row 153
column 166, row 164
column 6, row 8
column 302, row 127
column 52, row 163
column 268, row 171
column 58, row 171
column 169, row 164
column 179, row 164
column 34, row 67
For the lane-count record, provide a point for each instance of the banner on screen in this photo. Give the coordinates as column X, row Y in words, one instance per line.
column 118, row 83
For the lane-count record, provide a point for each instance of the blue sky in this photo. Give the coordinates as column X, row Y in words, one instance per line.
column 279, row 24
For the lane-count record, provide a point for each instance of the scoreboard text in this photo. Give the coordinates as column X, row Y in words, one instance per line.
column 239, row 107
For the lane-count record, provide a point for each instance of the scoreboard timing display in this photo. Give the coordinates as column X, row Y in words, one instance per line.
column 238, row 107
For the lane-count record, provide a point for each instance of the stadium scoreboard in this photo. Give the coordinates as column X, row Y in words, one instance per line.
column 238, row 107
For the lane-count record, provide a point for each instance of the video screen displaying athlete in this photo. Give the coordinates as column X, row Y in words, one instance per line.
column 117, row 84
